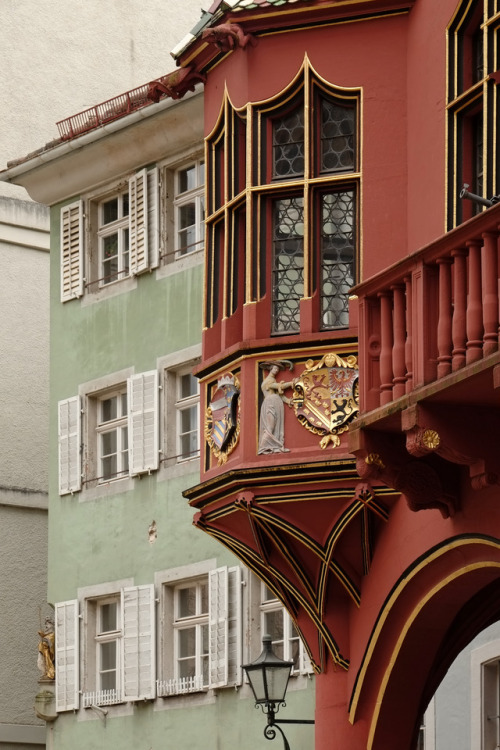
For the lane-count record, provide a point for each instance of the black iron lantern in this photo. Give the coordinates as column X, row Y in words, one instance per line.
column 268, row 676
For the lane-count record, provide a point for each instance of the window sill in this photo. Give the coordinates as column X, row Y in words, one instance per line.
column 107, row 489
column 173, row 688
column 114, row 289
column 101, row 698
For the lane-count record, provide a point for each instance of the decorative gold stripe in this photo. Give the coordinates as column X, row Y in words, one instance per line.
column 247, row 555
column 409, row 622
column 393, row 598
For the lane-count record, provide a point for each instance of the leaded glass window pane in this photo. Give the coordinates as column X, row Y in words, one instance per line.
column 337, row 137
column 288, row 263
column 288, row 145
column 337, row 257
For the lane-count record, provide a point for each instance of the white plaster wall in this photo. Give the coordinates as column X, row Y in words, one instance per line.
column 24, row 345
column 59, row 57
column 453, row 702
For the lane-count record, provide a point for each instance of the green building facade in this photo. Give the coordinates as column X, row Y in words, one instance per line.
column 153, row 619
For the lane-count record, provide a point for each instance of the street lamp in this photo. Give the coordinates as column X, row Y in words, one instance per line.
column 268, row 676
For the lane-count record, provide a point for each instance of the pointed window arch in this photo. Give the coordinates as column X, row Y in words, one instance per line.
column 473, row 76
column 283, row 191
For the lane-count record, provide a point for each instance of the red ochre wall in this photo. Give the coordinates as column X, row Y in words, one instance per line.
column 425, row 568
column 424, row 571
column 400, row 62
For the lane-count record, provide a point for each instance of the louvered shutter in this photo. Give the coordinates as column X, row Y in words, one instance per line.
column 67, row 655
column 218, row 627
column 305, row 665
column 153, row 218
column 69, row 432
column 224, row 586
column 234, row 646
column 143, row 422
column 71, row 251
column 138, row 217
column 138, row 642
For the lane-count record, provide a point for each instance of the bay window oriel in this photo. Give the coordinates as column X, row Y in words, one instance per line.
column 473, row 77
column 301, row 194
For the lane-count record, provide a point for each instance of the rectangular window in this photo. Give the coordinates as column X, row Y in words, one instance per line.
column 286, row 640
column 189, row 203
column 109, row 432
column 112, row 431
column 107, row 637
column 288, row 263
column 113, row 238
column 119, row 646
column 188, row 416
column 202, row 631
column 337, row 252
column 191, row 633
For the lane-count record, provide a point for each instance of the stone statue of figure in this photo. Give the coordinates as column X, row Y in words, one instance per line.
column 46, row 650
column 272, row 413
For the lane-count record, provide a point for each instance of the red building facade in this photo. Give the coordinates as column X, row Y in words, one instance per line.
column 350, row 343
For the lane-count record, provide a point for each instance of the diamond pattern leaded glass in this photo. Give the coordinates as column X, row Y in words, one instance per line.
column 288, row 263
column 337, row 137
column 337, row 258
column 288, row 145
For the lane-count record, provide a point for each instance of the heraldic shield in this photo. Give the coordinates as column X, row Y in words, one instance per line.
column 325, row 397
column 222, row 417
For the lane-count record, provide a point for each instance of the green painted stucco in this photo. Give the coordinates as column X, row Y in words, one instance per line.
column 93, row 541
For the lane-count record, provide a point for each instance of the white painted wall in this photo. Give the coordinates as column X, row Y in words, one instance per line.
column 59, row 57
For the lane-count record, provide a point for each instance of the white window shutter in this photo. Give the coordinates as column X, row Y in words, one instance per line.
column 235, row 627
column 69, row 433
column 153, row 218
column 224, row 587
column 142, row 395
column 305, row 664
column 71, row 251
column 138, row 217
column 67, row 655
column 138, row 642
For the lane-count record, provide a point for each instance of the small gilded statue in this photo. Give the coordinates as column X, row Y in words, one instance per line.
column 272, row 412
column 46, row 650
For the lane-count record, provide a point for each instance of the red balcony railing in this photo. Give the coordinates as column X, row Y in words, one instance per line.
column 431, row 314
column 107, row 111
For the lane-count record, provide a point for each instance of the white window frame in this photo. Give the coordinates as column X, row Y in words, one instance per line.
column 195, row 196
column 83, row 234
column 199, row 621
column 134, row 636
column 118, row 426
column 81, row 430
column 273, row 605
column 109, row 695
column 119, row 227
column 225, row 618
column 187, row 403
column 428, row 728
column 169, row 366
column 485, row 696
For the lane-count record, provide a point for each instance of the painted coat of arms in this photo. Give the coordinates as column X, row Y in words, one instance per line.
column 222, row 425
column 325, row 397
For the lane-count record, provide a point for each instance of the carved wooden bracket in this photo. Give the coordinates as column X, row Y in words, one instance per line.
column 382, row 457
column 446, row 432
column 228, row 36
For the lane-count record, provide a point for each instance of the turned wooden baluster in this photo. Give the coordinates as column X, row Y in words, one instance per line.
column 474, row 305
column 444, row 318
column 459, row 331
column 489, row 269
column 409, row 336
column 398, row 349
column 385, row 347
